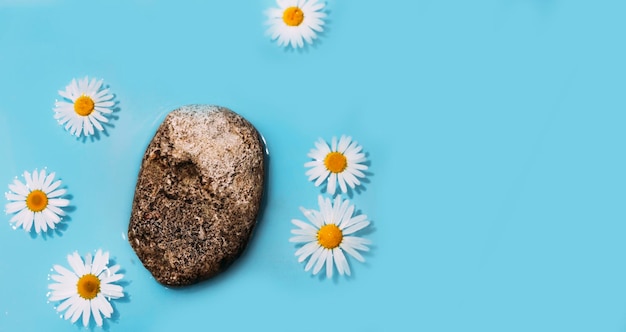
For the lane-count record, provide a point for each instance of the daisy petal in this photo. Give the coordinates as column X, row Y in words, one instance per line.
column 321, row 261
column 329, row 264
column 314, row 258
column 19, row 188
column 15, row 206
column 341, row 262
column 332, row 183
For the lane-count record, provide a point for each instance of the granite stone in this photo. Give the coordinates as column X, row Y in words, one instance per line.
column 198, row 194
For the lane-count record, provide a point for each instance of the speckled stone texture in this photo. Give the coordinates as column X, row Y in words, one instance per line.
column 198, row 194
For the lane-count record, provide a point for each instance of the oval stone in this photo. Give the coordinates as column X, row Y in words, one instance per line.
column 198, row 194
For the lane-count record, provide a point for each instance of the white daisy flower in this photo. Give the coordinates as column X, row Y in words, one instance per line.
column 38, row 201
column 328, row 237
column 87, row 289
column 340, row 162
column 295, row 21
column 84, row 106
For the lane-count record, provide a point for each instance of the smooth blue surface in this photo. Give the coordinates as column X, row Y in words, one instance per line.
column 495, row 131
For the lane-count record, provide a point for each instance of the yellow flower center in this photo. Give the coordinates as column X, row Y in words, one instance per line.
column 36, row 201
column 329, row 236
column 88, row 286
column 83, row 105
column 335, row 162
column 293, row 16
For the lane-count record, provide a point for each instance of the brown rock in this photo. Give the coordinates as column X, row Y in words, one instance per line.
column 198, row 194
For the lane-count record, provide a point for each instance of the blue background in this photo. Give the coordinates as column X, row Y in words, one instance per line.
column 495, row 131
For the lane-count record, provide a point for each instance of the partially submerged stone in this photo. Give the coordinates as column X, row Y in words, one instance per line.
column 198, row 194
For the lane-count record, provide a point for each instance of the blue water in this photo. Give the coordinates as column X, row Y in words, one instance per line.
column 495, row 131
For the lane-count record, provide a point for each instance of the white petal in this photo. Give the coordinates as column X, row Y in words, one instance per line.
column 333, row 144
column 344, row 142
column 47, row 182
column 62, row 270
column 313, row 216
column 74, row 89
column 53, row 186
column 35, row 179
column 346, row 216
column 107, row 278
column 323, row 147
column 323, row 174
column 332, row 183
column 86, row 314
column 357, row 243
column 102, row 95
column 350, row 179
column 353, row 220
column 342, row 182
column 29, row 181
column 77, row 264
column 105, row 104
column 356, row 227
column 88, row 263
column 65, row 94
column 104, row 306
column 40, row 223
column 74, row 310
column 341, row 262
column 59, row 202
column 15, row 206
column 321, row 261
column 113, row 269
column 103, row 110
column 80, row 305
column 55, row 210
column 95, row 122
column 65, row 282
column 95, row 310
column 111, row 290
column 306, row 251
column 87, row 126
column 312, row 163
column 51, row 218
column 61, row 295
column 352, row 252
column 304, row 226
column 352, row 173
column 314, row 258
column 27, row 218
column 69, row 304
column 19, row 188
column 340, row 213
column 302, row 238
column 99, row 262
column 353, row 150
column 57, row 193
column 329, row 264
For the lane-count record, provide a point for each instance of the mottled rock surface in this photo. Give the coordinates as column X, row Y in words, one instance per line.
column 198, row 194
